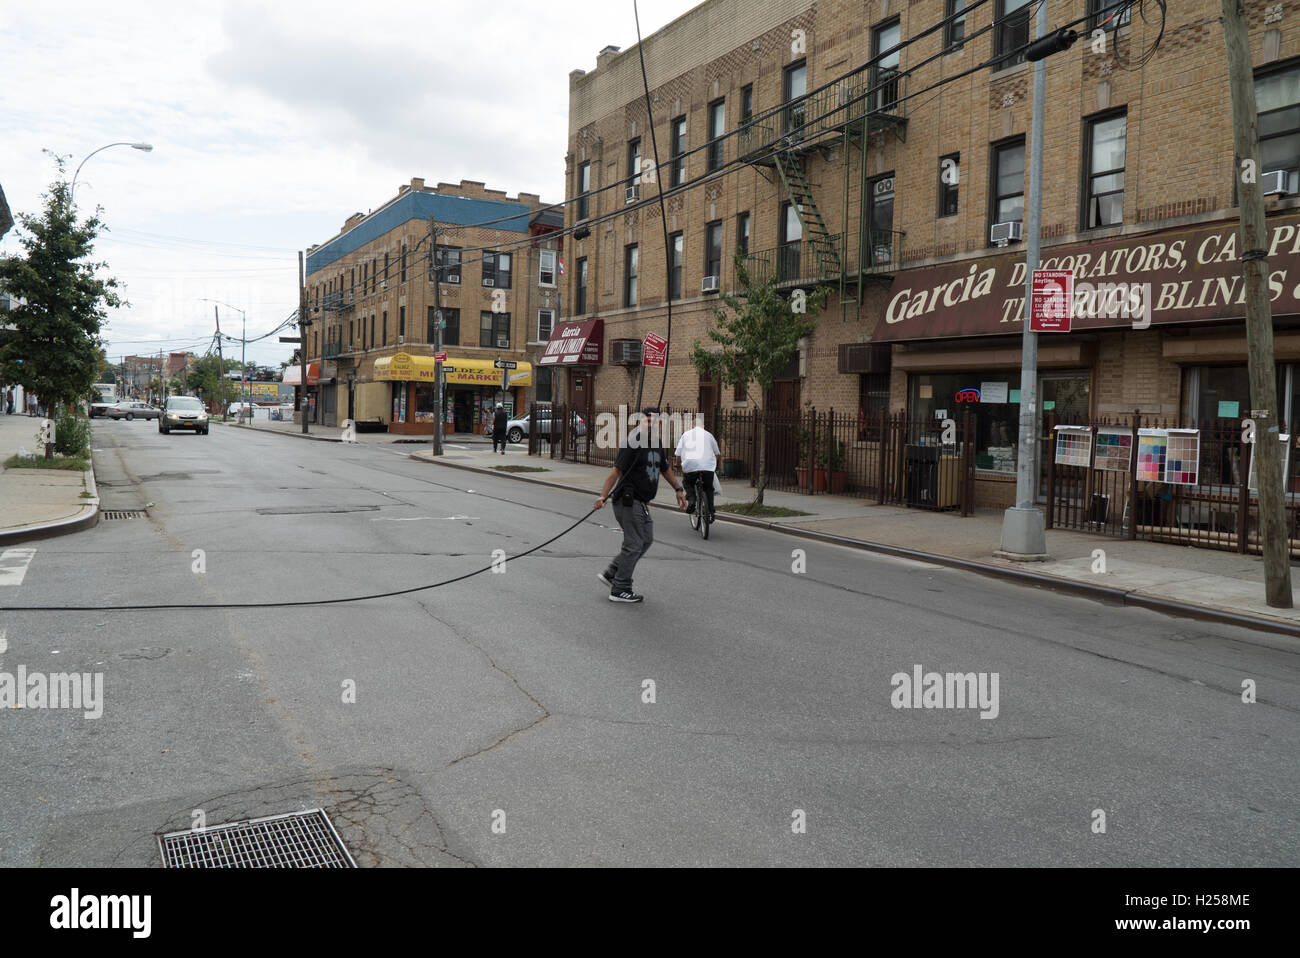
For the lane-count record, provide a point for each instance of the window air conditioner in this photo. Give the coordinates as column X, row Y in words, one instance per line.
column 709, row 284
column 383, row 284
column 633, row 194
column 1274, row 183
column 489, row 281
column 503, row 344
column 626, row 352
column 1003, row 233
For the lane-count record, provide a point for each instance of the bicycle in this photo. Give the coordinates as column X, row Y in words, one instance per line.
column 700, row 518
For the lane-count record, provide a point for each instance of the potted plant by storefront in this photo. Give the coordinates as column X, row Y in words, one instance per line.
column 830, row 469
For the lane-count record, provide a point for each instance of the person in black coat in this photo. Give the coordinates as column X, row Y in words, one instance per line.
column 499, row 420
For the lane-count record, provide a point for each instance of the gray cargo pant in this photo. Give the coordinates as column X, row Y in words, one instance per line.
column 638, row 533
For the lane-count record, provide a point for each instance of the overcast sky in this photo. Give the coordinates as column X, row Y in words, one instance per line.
column 271, row 123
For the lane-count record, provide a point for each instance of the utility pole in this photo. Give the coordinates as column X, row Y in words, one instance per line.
column 221, row 366
column 1259, row 321
column 437, row 337
column 303, row 323
column 243, row 364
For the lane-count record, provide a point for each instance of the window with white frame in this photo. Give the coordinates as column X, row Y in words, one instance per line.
column 545, row 324
column 546, row 268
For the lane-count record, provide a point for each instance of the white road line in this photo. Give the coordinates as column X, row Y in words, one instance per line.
column 13, row 565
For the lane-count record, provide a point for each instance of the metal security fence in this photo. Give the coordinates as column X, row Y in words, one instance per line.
column 1186, row 487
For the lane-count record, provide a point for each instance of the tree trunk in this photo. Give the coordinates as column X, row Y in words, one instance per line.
column 760, row 480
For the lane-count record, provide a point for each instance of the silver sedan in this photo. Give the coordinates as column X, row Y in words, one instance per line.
column 131, row 409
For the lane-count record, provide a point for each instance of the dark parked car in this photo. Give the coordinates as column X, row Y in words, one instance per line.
column 183, row 412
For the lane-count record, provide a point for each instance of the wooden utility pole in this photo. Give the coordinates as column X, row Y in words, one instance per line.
column 303, row 323
column 437, row 335
column 1259, row 320
column 221, row 367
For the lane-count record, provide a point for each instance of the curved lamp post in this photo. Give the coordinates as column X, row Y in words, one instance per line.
column 142, row 147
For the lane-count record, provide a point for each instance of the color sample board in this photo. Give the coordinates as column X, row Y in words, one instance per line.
column 1074, row 446
column 1183, row 457
column 1252, row 479
column 1152, row 448
column 1114, row 450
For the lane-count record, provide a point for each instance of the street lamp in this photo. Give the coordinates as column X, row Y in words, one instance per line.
column 142, row 147
column 243, row 357
column 1024, row 534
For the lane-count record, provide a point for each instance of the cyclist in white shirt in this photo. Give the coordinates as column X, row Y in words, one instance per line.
column 699, row 452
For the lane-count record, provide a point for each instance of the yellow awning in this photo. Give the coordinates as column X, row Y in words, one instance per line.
column 470, row 372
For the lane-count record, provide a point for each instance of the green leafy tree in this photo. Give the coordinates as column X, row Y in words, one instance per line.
column 204, row 378
column 755, row 338
column 54, row 348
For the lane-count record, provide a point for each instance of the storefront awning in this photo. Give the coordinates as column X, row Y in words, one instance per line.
column 404, row 367
column 574, row 343
column 1158, row 278
column 293, row 375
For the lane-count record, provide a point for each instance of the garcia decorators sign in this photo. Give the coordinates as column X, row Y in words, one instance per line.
column 1175, row 276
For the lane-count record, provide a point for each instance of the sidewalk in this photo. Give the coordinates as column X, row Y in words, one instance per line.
column 37, row 503
column 1177, row 579
column 335, row 434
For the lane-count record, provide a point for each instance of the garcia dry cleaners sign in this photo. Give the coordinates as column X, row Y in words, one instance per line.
column 1175, row 276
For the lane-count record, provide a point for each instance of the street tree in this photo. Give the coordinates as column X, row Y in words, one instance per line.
column 754, row 339
column 205, row 378
column 53, row 346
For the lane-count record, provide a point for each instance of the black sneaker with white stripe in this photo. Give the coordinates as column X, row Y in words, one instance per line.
column 606, row 578
column 625, row 595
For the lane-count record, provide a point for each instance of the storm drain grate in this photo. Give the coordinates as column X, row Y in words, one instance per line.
column 299, row 840
column 123, row 514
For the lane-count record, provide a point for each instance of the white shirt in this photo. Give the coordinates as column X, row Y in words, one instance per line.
column 698, row 450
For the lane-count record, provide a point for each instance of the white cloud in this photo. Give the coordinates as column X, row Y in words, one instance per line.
column 272, row 122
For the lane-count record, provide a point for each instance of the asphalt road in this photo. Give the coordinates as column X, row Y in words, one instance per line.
column 518, row 699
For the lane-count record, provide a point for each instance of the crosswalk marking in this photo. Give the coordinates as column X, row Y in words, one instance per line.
column 13, row 565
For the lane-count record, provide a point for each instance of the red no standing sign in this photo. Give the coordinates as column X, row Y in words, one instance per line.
column 656, row 350
column 1053, row 297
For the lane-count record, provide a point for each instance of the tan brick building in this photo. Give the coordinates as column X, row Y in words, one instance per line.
column 371, row 298
column 896, row 206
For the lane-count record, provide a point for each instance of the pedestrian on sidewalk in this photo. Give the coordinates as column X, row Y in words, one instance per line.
column 9, row 402
column 640, row 462
column 499, row 420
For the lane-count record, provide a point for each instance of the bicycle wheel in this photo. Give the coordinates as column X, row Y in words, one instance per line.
column 704, row 522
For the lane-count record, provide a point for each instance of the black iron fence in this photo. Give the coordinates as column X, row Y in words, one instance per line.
column 1182, row 486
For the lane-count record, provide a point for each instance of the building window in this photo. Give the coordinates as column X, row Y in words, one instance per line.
column 873, row 399
column 885, row 75
column 794, row 86
column 450, row 329
column 717, row 129
column 545, row 324
column 788, row 252
column 955, row 30
column 496, row 269
column 447, row 262
column 679, row 151
column 713, row 249
column 383, row 328
column 949, row 180
column 1104, row 173
column 546, row 268
column 630, row 259
column 634, row 162
column 372, row 330
column 742, row 232
column 543, row 376
column 365, row 279
column 580, row 288
column 1277, row 98
column 881, row 235
column 1007, row 200
column 738, row 392
column 385, row 271
column 352, row 329
column 403, row 262
column 1010, row 33
column 494, row 329
column 401, row 322
column 675, row 266
column 995, row 423
column 374, row 274
column 746, row 103
column 584, row 191
column 1108, row 14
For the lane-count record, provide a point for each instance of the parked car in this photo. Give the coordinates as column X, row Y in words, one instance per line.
column 183, row 412
column 238, row 408
column 517, row 429
column 132, row 409
column 101, row 408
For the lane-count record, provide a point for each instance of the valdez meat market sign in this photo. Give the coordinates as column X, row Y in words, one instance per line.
column 1175, row 276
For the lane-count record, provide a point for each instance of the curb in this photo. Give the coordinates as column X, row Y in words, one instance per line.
column 64, row 526
column 1100, row 593
column 280, row 432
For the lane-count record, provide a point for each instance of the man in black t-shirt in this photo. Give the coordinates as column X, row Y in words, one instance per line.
column 642, row 464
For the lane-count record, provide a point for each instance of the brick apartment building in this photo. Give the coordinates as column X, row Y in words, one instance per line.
column 910, row 209
column 370, row 296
